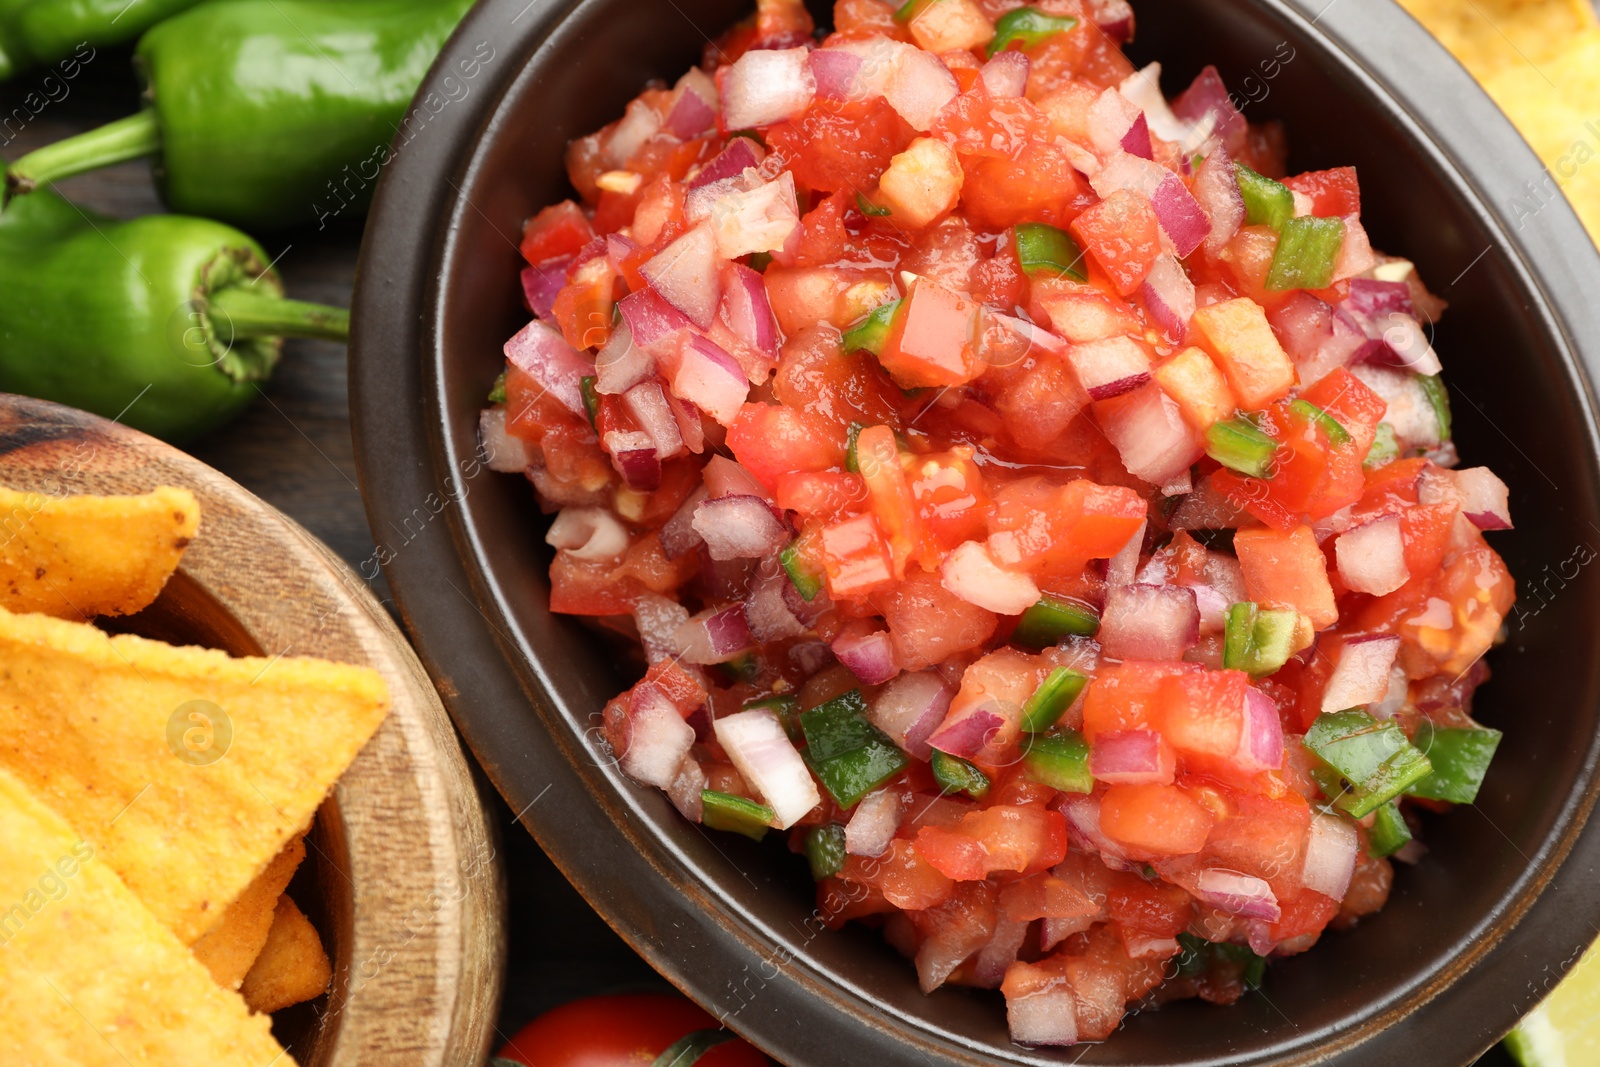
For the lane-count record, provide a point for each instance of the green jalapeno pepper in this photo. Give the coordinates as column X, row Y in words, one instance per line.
column 43, row 31
column 268, row 113
column 166, row 321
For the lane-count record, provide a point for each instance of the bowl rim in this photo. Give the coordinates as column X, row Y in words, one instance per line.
column 403, row 457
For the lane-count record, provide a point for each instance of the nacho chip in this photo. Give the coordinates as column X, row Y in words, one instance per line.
column 76, row 557
column 1492, row 35
column 187, row 770
column 293, row 966
column 88, row 976
column 229, row 949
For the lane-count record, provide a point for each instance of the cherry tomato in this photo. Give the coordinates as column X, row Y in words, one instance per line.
column 620, row 1030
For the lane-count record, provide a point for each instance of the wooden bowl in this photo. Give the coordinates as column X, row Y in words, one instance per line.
column 402, row 879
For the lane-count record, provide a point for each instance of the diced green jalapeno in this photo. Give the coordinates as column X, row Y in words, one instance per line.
column 1256, row 639
column 1266, row 202
column 911, row 9
column 1331, row 426
column 1053, row 618
column 591, row 399
column 497, row 392
column 1199, row 956
column 1241, row 445
column 1308, row 248
column 1433, row 388
column 868, row 208
column 724, row 811
column 1052, row 699
column 1374, row 757
column 1460, row 759
column 1385, row 447
column 1389, row 831
column 1048, row 251
column 1059, row 760
column 849, row 755
column 797, row 560
column 1027, row 27
column 786, row 708
column 825, row 850
column 956, row 775
column 873, row 331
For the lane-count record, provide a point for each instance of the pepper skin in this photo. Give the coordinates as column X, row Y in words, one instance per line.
column 43, row 31
column 166, row 321
column 270, row 113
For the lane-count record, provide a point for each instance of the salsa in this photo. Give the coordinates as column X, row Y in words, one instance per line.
column 1030, row 502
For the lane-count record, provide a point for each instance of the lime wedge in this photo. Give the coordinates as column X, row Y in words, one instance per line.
column 1563, row 1031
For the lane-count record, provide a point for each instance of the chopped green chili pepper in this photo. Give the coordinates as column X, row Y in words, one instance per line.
column 1059, row 760
column 871, row 332
column 760, row 261
column 1385, row 447
column 1046, row 250
column 1053, row 618
column 849, row 755
column 1308, row 248
column 1331, row 426
column 1389, row 831
column 1256, row 639
column 1028, row 27
column 825, row 850
column 1199, row 956
column 852, row 462
column 1241, row 445
column 868, row 208
column 1266, row 202
column 956, row 775
column 1374, row 757
column 799, row 562
column 724, row 811
column 1052, row 699
column 911, row 9
column 1460, row 758
column 1433, row 387
column 786, row 708
column 741, row 668
column 497, row 392
column 591, row 399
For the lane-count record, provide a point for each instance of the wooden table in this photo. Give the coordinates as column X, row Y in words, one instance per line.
column 292, row 448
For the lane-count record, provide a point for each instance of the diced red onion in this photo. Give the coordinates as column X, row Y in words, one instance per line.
column 1261, row 739
column 965, row 732
column 872, row 827
column 1148, row 429
column 809, row 657
column 1238, row 894
column 619, row 249
column 1122, row 567
column 1143, row 87
column 1361, row 676
column 1130, row 757
column 1169, row 296
column 1485, row 500
column 1216, row 190
column 1302, row 323
column 541, row 284
column 715, row 635
column 766, row 85
column 746, row 309
column 1111, row 367
column 1125, row 172
column 653, row 323
column 539, row 351
column 1409, row 409
column 1048, row 1017
column 1006, row 75
column 1208, row 97
column 739, row 527
column 690, row 427
column 506, row 452
column 1149, row 622
column 869, row 655
column 740, row 154
column 919, row 86
column 1330, row 856
column 807, row 611
column 587, row 533
column 686, row 789
column 1372, row 557
column 1180, row 484
column 989, row 966
column 709, row 378
column 634, row 456
column 678, row 535
column 760, row 219
column 620, row 364
column 725, row 579
column 637, row 125
column 695, row 110
column 764, row 755
column 658, row 619
column 685, row 274
column 1213, row 607
column 1110, row 117
column 1403, row 344
column 1082, row 812
column 1136, row 142
column 766, row 609
column 910, row 708
column 1114, row 18
column 724, row 477
column 834, row 72
column 1182, row 218
column 946, row 947
column 1371, row 298
column 1355, row 251
column 658, row 739
column 971, row 573
column 648, row 404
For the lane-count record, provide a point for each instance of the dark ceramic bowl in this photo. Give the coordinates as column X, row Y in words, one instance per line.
column 1471, row 938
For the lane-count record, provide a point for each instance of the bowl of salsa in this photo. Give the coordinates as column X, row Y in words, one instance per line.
column 991, row 540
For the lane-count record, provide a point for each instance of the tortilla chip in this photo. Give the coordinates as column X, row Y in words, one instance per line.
column 76, row 557
column 188, row 770
column 292, row 967
column 1492, row 35
column 88, row 976
column 229, row 949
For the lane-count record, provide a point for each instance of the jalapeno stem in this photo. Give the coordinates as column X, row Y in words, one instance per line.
column 260, row 314
column 131, row 138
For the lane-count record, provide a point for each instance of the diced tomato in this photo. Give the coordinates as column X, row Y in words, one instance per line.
column 559, row 230
column 804, row 296
column 928, row 623
column 1263, row 837
column 1351, row 403
column 867, row 18
column 1123, row 236
column 977, row 124
column 929, row 342
column 906, row 879
column 952, row 504
column 1153, row 909
column 1127, row 696
column 1158, row 819
column 647, row 563
column 583, row 306
column 1287, row 570
column 1044, row 528
column 1045, row 895
column 882, row 472
column 820, row 494
column 1426, row 530
column 844, row 146
column 1333, row 193
column 1305, row 913
column 1236, row 334
column 1080, row 312
column 1021, row 838
column 774, row 439
column 1192, row 379
column 1202, row 712
column 589, row 587
column 814, row 374
column 1040, row 185
column 855, row 556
